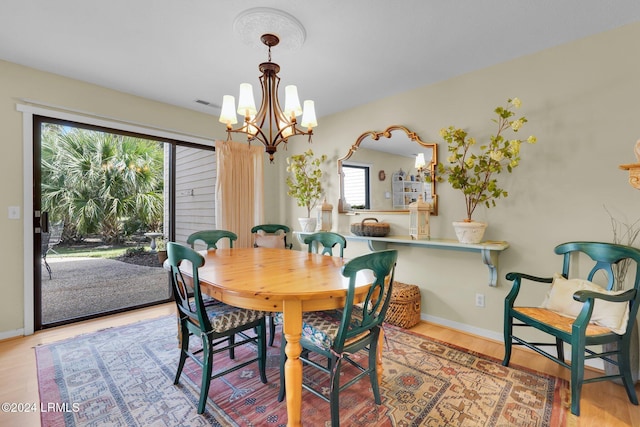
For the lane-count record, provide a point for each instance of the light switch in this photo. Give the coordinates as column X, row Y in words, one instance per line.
column 14, row 212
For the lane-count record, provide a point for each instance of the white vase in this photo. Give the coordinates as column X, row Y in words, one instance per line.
column 308, row 224
column 469, row 232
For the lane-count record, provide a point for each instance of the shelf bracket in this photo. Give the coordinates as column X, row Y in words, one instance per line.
column 490, row 259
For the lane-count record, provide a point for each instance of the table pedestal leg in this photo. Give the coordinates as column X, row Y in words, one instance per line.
column 292, row 327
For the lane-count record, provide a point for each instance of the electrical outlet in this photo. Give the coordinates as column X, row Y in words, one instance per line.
column 14, row 212
column 479, row 300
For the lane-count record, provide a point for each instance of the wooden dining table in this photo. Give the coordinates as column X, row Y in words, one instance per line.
column 279, row 280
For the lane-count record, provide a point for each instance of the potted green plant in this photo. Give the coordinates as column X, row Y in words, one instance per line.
column 161, row 249
column 304, row 183
column 473, row 168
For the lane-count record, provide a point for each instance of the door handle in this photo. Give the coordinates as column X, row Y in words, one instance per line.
column 43, row 226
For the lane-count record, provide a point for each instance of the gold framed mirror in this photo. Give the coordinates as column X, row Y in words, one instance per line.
column 381, row 172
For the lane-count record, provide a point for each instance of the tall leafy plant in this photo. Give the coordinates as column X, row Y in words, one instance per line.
column 473, row 168
column 305, row 179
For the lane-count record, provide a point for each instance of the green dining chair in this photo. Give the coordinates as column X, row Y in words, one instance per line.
column 271, row 235
column 211, row 238
column 324, row 241
column 338, row 334
column 213, row 324
column 581, row 313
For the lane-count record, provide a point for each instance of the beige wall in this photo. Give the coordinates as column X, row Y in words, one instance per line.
column 581, row 102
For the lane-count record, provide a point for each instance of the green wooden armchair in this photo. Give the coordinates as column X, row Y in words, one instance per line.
column 581, row 313
column 215, row 324
column 328, row 240
column 338, row 334
column 271, row 235
column 211, row 238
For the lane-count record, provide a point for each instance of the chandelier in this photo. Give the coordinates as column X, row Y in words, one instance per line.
column 270, row 124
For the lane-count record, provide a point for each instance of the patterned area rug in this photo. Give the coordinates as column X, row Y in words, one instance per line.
column 124, row 377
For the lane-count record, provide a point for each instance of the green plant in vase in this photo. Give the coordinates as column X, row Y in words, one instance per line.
column 161, row 248
column 473, row 168
column 305, row 183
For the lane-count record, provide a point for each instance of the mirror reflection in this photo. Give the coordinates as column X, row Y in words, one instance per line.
column 386, row 171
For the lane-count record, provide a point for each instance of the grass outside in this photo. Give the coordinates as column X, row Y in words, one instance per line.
column 96, row 252
column 94, row 247
column 134, row 251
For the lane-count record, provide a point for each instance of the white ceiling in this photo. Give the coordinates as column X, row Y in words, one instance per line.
column 356, row 51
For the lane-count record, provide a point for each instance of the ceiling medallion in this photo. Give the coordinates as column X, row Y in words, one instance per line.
column 251, row 24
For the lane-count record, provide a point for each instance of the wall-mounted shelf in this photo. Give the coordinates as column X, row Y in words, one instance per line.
column 489, row 250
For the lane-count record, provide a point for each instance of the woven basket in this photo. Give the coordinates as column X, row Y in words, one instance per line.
column 370, row 229
column 404, row 306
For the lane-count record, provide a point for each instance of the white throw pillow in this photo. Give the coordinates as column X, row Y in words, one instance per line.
column 264, row 240
column 613, row 315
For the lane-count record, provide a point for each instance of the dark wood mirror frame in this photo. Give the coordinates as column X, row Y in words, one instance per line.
column 430, row 168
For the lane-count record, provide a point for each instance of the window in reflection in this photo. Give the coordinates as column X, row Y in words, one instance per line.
column 356, row 186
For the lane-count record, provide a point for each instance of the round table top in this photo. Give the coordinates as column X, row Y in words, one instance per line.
column 272, row 276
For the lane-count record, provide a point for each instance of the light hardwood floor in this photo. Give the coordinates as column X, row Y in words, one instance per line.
column 603, row 403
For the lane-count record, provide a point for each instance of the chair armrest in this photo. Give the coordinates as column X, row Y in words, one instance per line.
column 515, row 289
column 514, row 276
column 588, row 298
column 582, row 296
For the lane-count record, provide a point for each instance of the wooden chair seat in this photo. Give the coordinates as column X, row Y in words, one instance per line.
column 558, row 321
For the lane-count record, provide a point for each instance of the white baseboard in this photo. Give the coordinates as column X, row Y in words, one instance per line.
column 11, row 334
column 484, row 333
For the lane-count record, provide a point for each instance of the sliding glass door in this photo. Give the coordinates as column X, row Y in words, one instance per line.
column 105, row 202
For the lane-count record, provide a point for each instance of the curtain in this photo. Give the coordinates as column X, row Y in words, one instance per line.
column 239, row 189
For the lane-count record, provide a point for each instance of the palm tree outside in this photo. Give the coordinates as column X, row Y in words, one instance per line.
column 109, row 190
column 101, row 183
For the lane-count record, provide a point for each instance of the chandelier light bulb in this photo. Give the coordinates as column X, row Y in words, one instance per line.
column 246, row 102
column 309, row 115
column 228, row 112
column 291, row 102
